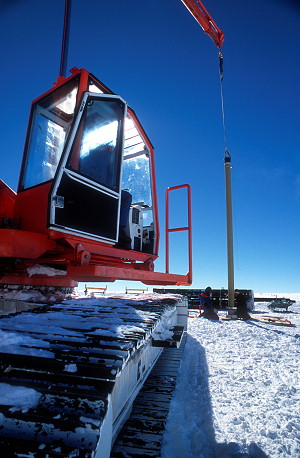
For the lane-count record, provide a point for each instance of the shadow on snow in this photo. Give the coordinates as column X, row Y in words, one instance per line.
column 190, row 430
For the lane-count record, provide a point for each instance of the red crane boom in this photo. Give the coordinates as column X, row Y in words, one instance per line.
column 202, row 16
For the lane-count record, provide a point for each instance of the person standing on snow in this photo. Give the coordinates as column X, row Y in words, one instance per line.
column 207, row 306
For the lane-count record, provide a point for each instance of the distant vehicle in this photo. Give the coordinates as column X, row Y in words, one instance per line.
column 219, row 297
column 280, row 304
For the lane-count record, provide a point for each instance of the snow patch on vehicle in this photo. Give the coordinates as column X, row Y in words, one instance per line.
column 38, row 269
column 19, row 397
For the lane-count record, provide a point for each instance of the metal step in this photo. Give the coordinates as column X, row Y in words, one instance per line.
column 174, row 341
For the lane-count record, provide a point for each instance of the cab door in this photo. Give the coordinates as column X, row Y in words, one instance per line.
column 85, row 197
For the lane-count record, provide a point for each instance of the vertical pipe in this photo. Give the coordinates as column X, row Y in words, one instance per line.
column 231, row 308
column 65, row 39
column 190, row 242
column 167, row 231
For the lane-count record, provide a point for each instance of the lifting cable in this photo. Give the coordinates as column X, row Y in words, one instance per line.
column 221, row 72
column 227, row 165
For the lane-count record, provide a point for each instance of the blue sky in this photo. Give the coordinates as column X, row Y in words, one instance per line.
column 155, row 55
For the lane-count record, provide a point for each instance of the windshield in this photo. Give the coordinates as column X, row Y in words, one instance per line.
column 97, row 147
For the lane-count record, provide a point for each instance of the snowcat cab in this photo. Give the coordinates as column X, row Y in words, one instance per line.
column 86, row 207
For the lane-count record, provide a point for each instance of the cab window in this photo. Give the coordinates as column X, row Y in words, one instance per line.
column 50, row 122
column 97, row 148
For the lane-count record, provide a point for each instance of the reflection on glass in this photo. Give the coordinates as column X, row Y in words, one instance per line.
column 94, row 88
column 147, row 217
column 47, row 142
column 133, row 142
column 51, row 120
column 100, row 145
column 95, row 136
column 67, row 103
column 136, row 178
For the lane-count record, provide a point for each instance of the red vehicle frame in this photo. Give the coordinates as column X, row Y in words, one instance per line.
column 27, row 237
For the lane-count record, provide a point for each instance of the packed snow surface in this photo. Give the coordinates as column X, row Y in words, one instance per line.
column 237, row 393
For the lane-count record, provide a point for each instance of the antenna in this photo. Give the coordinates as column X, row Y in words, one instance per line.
column 65, row 39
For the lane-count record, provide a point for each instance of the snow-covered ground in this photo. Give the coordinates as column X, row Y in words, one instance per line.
column 238, row 390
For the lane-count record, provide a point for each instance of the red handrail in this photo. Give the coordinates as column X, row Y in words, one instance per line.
column 178, row 229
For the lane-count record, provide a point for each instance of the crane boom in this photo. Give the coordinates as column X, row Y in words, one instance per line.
column 202, row 16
